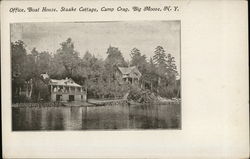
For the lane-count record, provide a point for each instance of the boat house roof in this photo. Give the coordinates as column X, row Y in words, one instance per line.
column 64, row 82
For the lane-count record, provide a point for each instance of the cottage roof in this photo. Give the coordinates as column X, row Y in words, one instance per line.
column 130, row 71
column 64, row 82
column 126, row 70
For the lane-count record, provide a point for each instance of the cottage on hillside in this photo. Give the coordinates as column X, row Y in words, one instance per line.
column 128, row 75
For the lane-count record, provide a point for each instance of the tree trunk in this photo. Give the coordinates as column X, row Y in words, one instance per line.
column 27, row 90
column 178, row 93
column 38, row 97
column 159, row 82
column 109, row 80
column 86, row 87
column 20, row 90
column 31, row 89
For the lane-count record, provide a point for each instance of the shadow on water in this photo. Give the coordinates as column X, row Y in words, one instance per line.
column 94, row 118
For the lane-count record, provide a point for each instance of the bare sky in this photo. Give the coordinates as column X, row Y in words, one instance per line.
column 97, row 36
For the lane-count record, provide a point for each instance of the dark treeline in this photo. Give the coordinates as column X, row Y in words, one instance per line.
column 96, row 75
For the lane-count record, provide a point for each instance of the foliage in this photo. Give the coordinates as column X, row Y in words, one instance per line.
column 166, row 73
column 114, row 57
column 160, row 56
column 141, row 96
column 98, row 76
column 18, row 54
column 40, row 90
column 68, row 57
column 113, row 60
column 18, row 58
column 139, row 60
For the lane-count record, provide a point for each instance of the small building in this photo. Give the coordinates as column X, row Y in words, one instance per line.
column 128, row 75
column 66, row 90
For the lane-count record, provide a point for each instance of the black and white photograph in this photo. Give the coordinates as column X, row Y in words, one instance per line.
column 124, row 79
column 100, row 75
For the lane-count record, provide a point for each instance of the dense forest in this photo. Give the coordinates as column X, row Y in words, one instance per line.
column 95, row 74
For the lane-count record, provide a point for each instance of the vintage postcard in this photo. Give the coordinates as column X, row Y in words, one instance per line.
column 96, row 75
column 124, row 79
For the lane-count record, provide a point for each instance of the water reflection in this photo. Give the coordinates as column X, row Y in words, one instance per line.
column 106, row 117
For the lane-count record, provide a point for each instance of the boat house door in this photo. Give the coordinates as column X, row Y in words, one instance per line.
column 58, row 97
column 71, row 97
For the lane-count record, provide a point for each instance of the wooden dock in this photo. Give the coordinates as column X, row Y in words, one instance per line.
column 77, row 104
column 108, row 102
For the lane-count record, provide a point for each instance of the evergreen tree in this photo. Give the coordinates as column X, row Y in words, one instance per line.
column 160, row 56
column 135, row 54
column 171, row 64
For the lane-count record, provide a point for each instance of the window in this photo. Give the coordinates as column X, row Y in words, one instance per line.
column 71, row 97
column 58, row 97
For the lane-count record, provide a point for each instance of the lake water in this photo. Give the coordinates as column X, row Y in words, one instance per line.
column 97, row 118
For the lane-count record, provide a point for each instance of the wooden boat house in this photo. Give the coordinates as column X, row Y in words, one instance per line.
column 66, row 90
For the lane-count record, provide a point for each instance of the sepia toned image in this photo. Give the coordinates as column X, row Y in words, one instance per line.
column 140, row 83
column 119, row 75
